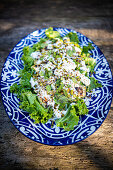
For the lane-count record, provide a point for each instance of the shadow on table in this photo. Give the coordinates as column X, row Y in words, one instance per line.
column 98, row 157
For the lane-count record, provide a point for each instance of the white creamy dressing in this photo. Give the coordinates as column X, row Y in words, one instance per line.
column 66, row 66
column 69, row 66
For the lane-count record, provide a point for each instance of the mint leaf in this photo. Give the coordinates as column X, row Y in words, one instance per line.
column 48, row 88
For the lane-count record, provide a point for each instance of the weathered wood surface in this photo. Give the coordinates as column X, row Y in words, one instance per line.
column 93, row 19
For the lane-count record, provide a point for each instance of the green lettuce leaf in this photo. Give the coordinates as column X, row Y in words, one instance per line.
column 73, row 37
column 93, row 84
column 72, row 116
column 81, row 107
column 50, row 33
column 37, row 112
column 40, row 45
column 90, row 61
column 86, row 49
column 69, row 120
column 28, row 60
column 16, row 88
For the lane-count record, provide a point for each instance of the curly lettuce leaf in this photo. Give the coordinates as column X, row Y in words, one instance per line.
column 90, row 61
column 37, row 112
column 73, row 37
column 72, row 116
column 93, row 84
column 25, row 74
column 86, row 49
column 16, row 88
column 69, row 120
column 40, row 45
column 27, row 59
column 81, row 107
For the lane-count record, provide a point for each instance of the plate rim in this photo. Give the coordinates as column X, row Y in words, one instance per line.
column 53, row 144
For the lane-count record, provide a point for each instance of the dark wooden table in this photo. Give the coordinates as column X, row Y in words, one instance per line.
column 95, row 20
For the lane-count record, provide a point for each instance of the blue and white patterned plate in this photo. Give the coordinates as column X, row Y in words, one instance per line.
column 98, row 104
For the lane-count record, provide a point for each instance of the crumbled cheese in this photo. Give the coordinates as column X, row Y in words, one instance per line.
column 84, row 68
column 38, row 62
column 33, row 82
column 69, row 47
column 53, row 86
column 51, row 103
column 50, row 47
column 36, row 54
column 77, row 49
column 57, row 113
column 83, row 63
column 85, row 80
column 77, row 73
column 68, row 66
column 55, row 50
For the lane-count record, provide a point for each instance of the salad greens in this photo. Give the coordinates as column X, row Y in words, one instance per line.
column 55, row 79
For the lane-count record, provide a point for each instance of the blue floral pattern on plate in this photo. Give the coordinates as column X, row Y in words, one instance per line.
column 98, row 102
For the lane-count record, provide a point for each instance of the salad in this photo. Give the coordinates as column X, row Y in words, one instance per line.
column 56, row 77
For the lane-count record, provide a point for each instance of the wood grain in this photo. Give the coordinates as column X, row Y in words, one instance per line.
column 95, row 20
